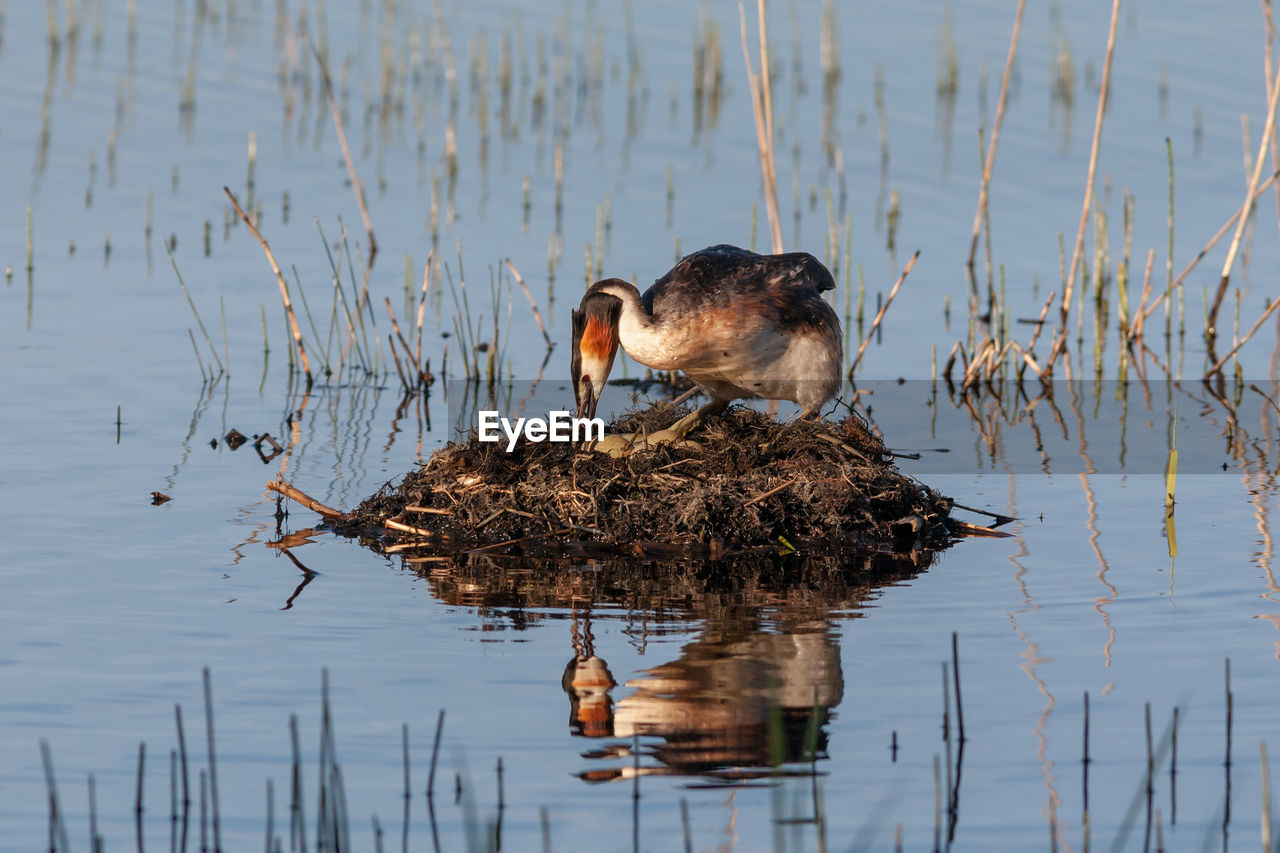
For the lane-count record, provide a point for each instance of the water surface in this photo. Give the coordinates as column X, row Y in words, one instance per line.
column 111, row 606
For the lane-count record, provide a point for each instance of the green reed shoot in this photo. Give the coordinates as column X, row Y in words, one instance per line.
column 320, row 345
column 342, row 299
column 221, row 367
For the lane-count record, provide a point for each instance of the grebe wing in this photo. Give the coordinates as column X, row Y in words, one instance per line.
column 721, row 274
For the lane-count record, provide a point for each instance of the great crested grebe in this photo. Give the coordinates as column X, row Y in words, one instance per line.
column 740, row 325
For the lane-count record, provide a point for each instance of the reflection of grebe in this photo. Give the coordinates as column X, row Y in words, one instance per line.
column 738, row 324
column 587, row 681
column 722, row 705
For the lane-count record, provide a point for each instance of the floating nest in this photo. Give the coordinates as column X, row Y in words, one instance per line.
column 745, row 485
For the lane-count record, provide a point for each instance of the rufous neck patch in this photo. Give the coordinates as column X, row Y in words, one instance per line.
column 598, row 339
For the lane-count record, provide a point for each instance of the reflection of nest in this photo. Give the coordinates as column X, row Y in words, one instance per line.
column 749, row 484
column 794, row 589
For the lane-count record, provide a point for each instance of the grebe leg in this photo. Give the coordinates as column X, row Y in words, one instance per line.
column 618, row 445
column 690, row 421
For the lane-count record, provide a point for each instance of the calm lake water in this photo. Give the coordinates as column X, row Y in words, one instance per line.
column 120, row 136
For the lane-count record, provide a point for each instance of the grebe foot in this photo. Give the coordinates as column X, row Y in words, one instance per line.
column 619, row 445
column 695, row 418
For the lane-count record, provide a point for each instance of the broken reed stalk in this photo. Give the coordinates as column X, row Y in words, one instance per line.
column 1027, row 356
column 980, row 214
column 1213, row 241
column 422, row 306
column 862, row 348
column 395, row 356
column 762, row 109
column 1275, row 138
column 537, row 315
column 1211, row 322
column 420, row 375
column 284, row 288
column 356, row 185
column 1134, row 331
column 1217, row 367
column 1060, row 344
column 303, row 498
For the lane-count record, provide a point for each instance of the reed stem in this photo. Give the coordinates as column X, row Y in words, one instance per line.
column 762, row 109
column 875, row 324
column 284, row 288
column 1060, row 344
column 1211, row 321
column 356, row 184
column 980, row 214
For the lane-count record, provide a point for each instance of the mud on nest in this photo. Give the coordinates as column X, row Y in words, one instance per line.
column 749, row 484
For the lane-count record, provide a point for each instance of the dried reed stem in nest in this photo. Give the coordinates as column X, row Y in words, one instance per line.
column 883, row 308
column 1060, row 344
column 762, row 109
column 770, row 493
column 1212, row 320
column 392, row 524
column 356, row 185
column 284, row 290
column 978, row 215
column 306, row 500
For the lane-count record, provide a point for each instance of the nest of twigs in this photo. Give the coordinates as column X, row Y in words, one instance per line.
column 748, row 483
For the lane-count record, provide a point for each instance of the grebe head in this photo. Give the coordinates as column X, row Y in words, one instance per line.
column 595, row 344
